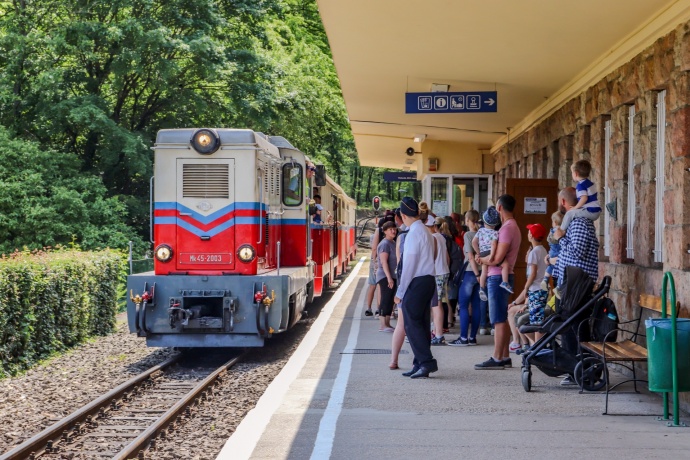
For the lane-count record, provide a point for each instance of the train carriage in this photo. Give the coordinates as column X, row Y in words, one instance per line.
column 236, row 256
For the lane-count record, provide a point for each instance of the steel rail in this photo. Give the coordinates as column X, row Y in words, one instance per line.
column 142, row 441
column 53, row 432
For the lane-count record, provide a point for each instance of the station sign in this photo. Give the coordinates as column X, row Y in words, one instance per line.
column 464, row 102
column 401, row 176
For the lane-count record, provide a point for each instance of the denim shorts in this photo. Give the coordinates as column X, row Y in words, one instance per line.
column 498, row 298
column 372, row 273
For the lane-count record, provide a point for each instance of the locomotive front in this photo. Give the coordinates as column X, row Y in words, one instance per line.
column 216, row 213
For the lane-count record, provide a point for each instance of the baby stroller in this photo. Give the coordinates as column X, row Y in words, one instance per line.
column 556, row 352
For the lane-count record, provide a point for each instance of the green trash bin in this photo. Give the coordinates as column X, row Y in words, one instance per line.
column 659, row 354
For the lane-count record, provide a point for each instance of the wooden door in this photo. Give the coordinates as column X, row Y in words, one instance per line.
column 536, row 200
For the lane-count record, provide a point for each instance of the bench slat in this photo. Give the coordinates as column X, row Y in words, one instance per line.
column 652, row 302
column 617, row 351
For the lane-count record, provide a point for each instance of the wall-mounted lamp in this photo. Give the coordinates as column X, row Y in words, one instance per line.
column 419, row 138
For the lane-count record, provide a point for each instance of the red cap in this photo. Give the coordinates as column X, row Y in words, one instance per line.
column 537, row 230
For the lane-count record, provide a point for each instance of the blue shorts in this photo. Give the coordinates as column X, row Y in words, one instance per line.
column 498, row 298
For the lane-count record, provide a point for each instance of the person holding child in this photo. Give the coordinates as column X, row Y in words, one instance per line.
column 587, row 205
column 485, row 243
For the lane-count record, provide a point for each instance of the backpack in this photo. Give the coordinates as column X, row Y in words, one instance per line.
column 604, row 319
column 455, row 256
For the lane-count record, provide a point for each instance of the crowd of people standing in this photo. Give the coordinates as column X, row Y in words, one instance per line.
column 427, row 268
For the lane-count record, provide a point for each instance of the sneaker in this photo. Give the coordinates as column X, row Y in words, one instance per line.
column 507, row 362
column 544, row 284
column 492, row 331
column 506, row 286
column 377, row 313
column 568, row 380
column 522, row 350
column 482, row 294
column 484, row 331
column 446, row 330
column 407, row 340
column 388, row 329
column 438, row 340
column 514, row 346
column 472, row 342
column 459, row 342
column 490, row 364
column 368, row 312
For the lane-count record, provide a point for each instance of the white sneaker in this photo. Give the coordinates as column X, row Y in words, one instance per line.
column 483, row 331
column 492, row 331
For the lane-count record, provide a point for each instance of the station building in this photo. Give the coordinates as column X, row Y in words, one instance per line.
column 604, row 81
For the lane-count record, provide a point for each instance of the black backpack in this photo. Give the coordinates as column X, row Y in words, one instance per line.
column 455, row 256
column 604, row 319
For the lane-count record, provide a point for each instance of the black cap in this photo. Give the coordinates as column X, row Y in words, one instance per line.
column 409, row 207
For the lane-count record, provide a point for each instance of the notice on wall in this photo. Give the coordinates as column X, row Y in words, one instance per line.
column 440, row 208
column 535, row 205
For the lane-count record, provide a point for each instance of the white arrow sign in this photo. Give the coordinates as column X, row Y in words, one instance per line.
column 490, row 101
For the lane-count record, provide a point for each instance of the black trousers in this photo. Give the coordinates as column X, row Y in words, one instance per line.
column 387, row 297
column 417, row 311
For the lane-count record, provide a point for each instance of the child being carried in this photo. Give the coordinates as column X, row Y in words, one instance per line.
column 485, row 243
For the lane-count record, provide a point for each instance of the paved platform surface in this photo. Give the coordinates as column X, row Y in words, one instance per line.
column 326, row 404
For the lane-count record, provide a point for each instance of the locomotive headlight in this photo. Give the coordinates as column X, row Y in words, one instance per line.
column 164, row 253
column 246, row 253
column 205, row 141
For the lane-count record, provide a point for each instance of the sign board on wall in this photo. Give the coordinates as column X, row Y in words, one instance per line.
column 440, row 207
column 535, row 205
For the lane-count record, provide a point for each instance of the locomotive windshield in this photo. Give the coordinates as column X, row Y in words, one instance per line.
column 292, row 188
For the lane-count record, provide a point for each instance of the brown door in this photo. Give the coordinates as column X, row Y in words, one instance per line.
column 536, row 200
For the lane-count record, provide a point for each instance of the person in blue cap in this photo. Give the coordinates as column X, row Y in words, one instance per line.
column 485, row 243
column 416, row 288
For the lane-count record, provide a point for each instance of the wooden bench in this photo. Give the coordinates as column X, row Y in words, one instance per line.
column 625, row 351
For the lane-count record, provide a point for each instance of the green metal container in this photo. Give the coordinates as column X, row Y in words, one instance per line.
column 660, row 364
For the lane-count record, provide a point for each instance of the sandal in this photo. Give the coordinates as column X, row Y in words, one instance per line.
column 393, row 366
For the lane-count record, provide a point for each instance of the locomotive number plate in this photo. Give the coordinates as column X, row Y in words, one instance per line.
column 195, row 258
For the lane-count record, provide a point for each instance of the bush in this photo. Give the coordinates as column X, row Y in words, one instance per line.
column 50, row 301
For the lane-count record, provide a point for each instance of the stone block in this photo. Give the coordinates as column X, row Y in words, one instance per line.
column 618, row 237
column 683, row 51
column 678, row 132
column 675, row 248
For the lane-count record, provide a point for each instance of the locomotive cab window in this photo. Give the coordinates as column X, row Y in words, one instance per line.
column 292, row 184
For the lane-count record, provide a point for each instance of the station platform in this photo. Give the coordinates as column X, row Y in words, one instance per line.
column 334, row 400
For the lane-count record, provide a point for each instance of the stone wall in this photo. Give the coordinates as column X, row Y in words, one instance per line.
column 576, row 131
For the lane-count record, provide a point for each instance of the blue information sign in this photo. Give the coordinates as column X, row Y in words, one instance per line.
column 465, row 102
column 400, row 176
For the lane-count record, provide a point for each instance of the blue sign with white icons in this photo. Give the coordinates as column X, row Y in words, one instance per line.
column 465, row 102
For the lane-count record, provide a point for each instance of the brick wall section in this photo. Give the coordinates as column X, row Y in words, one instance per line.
column 576, row 130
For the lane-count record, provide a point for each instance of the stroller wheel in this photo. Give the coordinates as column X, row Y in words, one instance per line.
column 591, row 374
column 527, row 379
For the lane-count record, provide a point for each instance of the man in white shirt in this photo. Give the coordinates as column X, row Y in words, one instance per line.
column 416, row 288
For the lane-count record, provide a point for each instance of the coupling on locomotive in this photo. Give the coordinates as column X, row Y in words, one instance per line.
column 237, row 252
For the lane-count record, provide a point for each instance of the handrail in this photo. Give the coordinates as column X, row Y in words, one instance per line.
column 151, row 219
column 261, row 202
column 668, row 279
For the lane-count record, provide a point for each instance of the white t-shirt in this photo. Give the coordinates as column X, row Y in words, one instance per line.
column 441, row 259
column 536, row 256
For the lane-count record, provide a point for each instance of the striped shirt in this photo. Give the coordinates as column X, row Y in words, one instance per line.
column 579, row 248
column 585, row 187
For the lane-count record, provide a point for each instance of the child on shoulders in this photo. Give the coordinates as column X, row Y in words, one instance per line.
column 587, row 205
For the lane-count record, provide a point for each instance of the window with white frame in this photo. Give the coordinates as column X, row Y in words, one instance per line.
column 607, row 189
column 660, row 181
column 631, row 183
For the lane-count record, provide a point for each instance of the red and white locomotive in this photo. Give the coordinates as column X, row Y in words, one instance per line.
column 237, row 256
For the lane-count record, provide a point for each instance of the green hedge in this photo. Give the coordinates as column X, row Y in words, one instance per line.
column 50, row 301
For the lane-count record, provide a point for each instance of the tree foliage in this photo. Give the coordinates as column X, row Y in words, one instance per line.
column 88, row 83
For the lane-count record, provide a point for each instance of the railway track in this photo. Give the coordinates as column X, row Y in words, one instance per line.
column 127, row 420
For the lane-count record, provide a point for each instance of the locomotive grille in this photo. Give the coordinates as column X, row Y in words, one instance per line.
column 205, row 181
